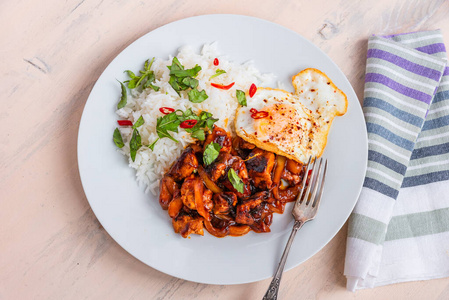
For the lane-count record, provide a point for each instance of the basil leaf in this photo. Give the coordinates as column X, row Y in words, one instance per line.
column 211, row 152
column 146, row 78
column 175, row 65
column 217, row 73
column 169, row 122
column 204, row 115
column 210, row 123
column 185, row 73
column 235, row 180
column 130, row 74
column 199, row 135
column 118, row 138
column 124, row 97
column 132, row 83
column 149, row 79
column 188, row 115
column 174, row 84
column 241, row 98
column 139, row 122
column 161, row 132
column 190, row 82
column 196, row 96
column 155, row 88
column 134, row 144
column 152, row 144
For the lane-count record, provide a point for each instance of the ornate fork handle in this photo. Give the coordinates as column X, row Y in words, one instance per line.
column 272, row 292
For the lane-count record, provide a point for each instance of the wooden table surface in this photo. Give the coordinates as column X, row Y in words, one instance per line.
column 51, row 54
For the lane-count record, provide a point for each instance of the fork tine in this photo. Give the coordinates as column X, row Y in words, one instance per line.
column 316, row 203
column 312, row 181
column 298, row 200
column 316, row 182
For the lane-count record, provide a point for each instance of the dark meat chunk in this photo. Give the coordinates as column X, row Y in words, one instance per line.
column 185, row 165
column 260, row 164
column 246, row 145
column 224, row 202
column 186, row 225
column 167, row 187
column 221, row 137
column 241, row 147
column 219, row 167
column 250, row 210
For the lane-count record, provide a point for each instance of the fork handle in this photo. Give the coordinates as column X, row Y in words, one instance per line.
column 273, row 289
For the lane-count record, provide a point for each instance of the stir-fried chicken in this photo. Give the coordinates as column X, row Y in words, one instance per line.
column 260, row 163
column 200, row 196
column 221, row 137
column 247, row 210
column 185, row 165
column 224, row 202
column 186, row 225
column 167, row 188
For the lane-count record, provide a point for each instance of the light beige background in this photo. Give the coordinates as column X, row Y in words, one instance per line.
column 51, row 54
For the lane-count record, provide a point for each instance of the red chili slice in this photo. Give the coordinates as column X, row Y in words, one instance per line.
column 222, row 87
column 166, row 110
column 125, row 122
column 216, row 62
column 252, row 90
column 188, row 123
column 253, row 111
column 260, row 115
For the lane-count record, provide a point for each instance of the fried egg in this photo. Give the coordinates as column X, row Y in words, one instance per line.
column 297, row 123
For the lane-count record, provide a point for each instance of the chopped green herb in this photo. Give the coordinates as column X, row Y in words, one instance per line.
column 139, row 122
column 181, row 80
column 235, row 180
column 211, row 153
column 123, row 98
column 171, row 122
column 190, row 82
column 185, row 73
column 145, row 79
column 134, row 144
column 153, row 143
column 241, row 98
column 118, row 138
column 196, row 96
column 199, row 135
column 217, row 73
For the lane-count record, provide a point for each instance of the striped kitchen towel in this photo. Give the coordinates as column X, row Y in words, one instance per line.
column 399, row 229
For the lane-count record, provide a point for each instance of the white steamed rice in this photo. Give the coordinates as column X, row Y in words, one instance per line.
column 151, row 165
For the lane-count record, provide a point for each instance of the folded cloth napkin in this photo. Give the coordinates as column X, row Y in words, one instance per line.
column 399, row 229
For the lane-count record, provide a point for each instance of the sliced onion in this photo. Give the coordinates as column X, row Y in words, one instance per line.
column 280, row 164
column 208, row 182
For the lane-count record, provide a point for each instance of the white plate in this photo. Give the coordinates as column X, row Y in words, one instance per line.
column 136, row 221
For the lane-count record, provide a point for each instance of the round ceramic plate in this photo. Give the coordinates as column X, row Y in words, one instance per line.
column 136, row 221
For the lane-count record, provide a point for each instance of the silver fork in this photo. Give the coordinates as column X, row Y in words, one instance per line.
column 305, row 209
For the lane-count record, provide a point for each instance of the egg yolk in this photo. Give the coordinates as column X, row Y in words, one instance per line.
column 279, row 117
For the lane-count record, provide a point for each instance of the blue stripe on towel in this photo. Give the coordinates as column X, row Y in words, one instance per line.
column 387, row 107
column 380, row 187
column 387, row 162
column 430, row 151
column 390, row 136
